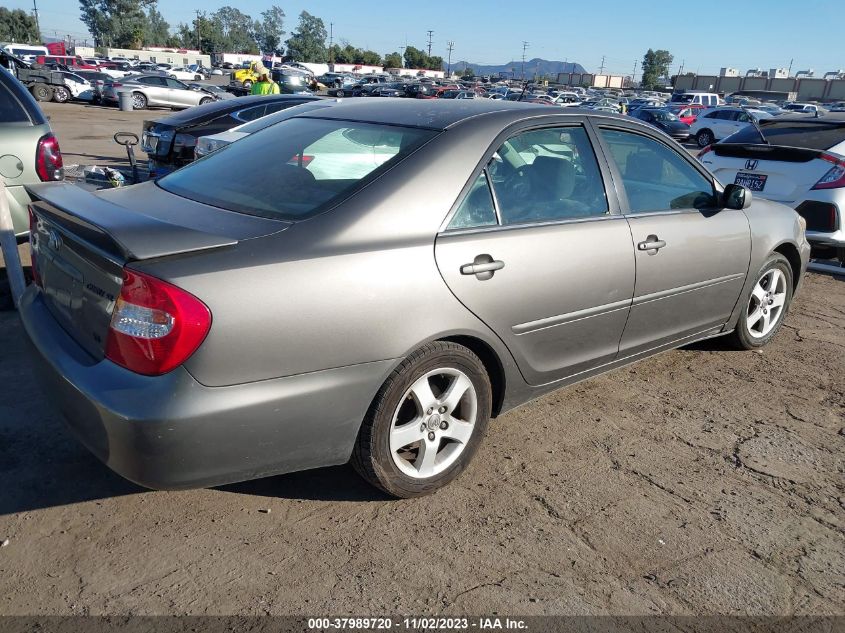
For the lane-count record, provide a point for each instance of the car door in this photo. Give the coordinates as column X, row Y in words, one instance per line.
column 691, row 256
column 180, row 94
column 156, row 90
column 538, row 251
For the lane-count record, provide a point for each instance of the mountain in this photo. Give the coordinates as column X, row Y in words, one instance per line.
column 533, row 67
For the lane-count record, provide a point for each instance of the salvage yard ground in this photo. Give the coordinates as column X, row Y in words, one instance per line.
column 700, row 481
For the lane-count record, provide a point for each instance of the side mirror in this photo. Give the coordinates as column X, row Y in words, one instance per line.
column 736, row 197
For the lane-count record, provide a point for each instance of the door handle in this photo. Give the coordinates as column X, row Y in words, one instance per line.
column 651, row 244
column 483, row 267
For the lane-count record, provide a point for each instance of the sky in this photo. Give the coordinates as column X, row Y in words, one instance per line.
column 703, row 35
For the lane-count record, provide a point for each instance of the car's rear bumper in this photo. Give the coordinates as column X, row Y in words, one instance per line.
column 171, row 432
column 834, row 239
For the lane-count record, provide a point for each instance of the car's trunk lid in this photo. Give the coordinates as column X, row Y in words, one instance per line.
column 81, row 242
column 788, row 171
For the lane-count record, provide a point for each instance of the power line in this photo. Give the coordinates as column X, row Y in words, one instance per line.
column 430, row 33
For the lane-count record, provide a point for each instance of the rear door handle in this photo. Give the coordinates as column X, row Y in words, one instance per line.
column 483, row 267
column 651, row 244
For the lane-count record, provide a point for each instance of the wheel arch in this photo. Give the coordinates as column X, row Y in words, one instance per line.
column 492, row 363
column 790, row 251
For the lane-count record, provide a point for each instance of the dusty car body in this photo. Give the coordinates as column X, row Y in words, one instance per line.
column 440, row 262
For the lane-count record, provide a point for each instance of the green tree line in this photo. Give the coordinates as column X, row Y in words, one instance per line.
column 137, row 23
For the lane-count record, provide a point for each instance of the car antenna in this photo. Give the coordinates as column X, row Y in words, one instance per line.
column 756, row 126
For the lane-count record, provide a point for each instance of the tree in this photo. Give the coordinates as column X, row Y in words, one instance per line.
column 468, row 72
column 18, row 26
column 120, row 23
column 370, row 58
column 415, row 58
column 238, row 30
column 393, row 60
column 655, row 67
column 308, row 42
column 434, row 63
column 270, row 30
column 156, row 29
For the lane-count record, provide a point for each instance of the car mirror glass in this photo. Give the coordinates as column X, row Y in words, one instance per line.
column 736, row 197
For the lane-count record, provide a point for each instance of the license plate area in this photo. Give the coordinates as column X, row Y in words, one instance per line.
column 752, row 182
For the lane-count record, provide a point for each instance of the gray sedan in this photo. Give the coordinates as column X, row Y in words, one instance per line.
column 157, row 90
column 374, row 281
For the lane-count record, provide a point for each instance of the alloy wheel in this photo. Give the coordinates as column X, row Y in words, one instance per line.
column 765, row 307
column 433, row 423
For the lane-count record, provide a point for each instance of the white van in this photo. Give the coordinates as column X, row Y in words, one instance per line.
column 708, row 99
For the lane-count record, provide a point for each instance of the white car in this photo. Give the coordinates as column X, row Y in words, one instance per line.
column 800, row 161
column 809, row 108
column 76, row 87
column 715, row 124
column 184, row 74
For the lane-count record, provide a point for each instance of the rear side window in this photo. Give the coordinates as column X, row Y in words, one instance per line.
column 11, row 111
column 295, row 169
column 820, row 136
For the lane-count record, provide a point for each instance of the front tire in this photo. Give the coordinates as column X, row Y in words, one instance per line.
column 704, row 138
column 61, row 94
column 340, row 94
column 139, row 101
column 766, row 305
column 205, row 100
column 426, row 422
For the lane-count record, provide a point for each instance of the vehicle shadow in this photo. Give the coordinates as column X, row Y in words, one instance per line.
column 337, row 483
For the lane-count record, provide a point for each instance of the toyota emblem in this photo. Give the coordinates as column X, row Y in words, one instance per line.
column 55, row 240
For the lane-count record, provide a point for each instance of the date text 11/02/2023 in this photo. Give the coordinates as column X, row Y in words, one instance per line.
column 416, row 623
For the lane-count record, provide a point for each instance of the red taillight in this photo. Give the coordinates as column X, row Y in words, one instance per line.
column 835, row 177
column 48, row 159
column 155, row 326
column 706, row 150
column 33, row 248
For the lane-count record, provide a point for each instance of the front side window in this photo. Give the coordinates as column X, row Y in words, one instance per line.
column 328, row 161
column 656, row 177
column 546, row 175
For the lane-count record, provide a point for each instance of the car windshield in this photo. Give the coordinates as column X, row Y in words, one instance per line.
column 810, row 135
column 328, row 161
column 682, row 98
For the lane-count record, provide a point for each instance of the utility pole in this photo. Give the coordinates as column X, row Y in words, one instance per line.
column 37, row 24
column 789, row 72
column 199, row 48
column 601, row 70
column 524, row 48
column 449, row 63
column 331, row 44
column 430, row 33
column 634, row 74
column 681, row 69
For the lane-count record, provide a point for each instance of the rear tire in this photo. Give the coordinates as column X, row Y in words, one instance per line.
column 766, row 305
column 41, row 92
column 341, row 94
column 205, row 100
column 61, row 94
column 704, row 138
column 426, row 422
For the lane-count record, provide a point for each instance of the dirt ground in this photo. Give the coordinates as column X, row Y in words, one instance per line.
column 701, row 481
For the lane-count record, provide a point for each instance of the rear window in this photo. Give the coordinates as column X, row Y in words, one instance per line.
column 10, row 110
column 295, row 169
column 820, row 136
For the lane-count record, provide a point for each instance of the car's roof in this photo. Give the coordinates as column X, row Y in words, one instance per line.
column 433, row 113
column 217, row 108
column 836, row 118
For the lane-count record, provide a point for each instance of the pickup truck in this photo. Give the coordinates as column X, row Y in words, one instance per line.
column 43, row 83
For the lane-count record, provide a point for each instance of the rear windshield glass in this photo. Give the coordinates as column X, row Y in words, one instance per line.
column 295, row 169
column 276, row 117
column 793, row 134
column 11, row 111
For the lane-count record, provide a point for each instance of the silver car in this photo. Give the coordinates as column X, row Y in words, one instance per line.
column 157, row 90
column 375, row 280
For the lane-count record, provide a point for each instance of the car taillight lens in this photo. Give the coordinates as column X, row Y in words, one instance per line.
column 33, row 248
column 155, row 326
column 835, row 177
column 48, row 159
column 706, row 150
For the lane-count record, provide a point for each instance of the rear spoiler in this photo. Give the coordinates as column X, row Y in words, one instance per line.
column 766, row 152
column 115, row 230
